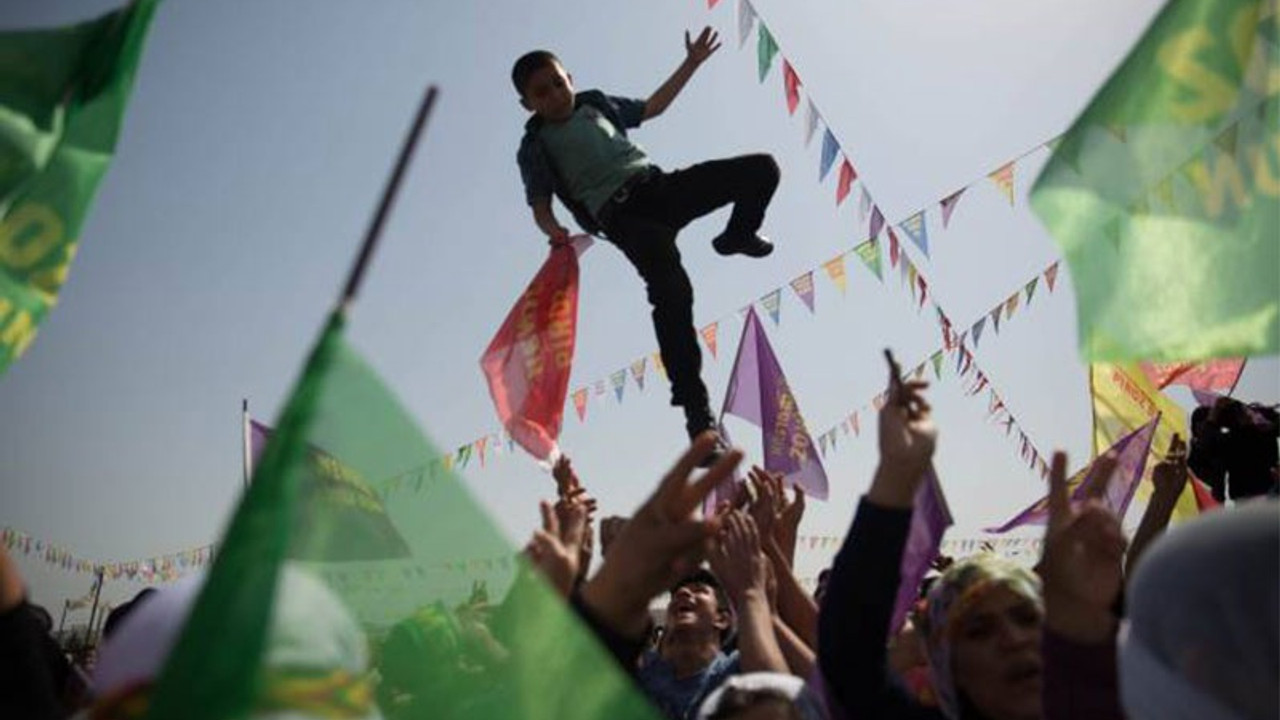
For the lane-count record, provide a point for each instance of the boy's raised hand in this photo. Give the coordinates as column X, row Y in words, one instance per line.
column 699, row 50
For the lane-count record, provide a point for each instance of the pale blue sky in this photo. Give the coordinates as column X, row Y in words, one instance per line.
column 256, row 143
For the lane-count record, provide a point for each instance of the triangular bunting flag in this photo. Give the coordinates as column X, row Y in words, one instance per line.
column 773, row 304
column 766, row 50
column 810, row 122
column 1003, row 178
column 976, row 331
column 936, row 359
column 847, row 176
column 1010, row 306
column 1031, row 289
column 854, row 422
column 746, row 21
column 803, row 285
column 869, row 253
column 995, row 317
column 894, row 250
column 877, row 222
column 830, row 149
column 480, row 446
column 619, row 382
column 637, row 372
column 915, row 229
column 1051, row 276
column 835, row 271
column 709, row 336
column 658, row 365
column 600, row 387
column 822, row 444
column 864, row 204
column 580, row 403
column 791, row 85
column 924, row 289
column 949, row 206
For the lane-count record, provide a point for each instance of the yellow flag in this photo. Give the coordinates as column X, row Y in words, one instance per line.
column 1125, row 400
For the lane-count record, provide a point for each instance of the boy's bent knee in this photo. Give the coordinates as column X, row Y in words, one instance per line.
column 765, row 167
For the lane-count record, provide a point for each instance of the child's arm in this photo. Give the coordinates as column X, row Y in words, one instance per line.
column 546, row 220
column 696, row 52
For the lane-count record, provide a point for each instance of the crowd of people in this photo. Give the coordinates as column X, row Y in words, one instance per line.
column 1183, row 623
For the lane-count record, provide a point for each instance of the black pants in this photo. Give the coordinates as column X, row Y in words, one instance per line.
column 644, row 226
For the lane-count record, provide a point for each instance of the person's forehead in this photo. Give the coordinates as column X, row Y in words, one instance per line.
column 546, row 73
column 998, row 600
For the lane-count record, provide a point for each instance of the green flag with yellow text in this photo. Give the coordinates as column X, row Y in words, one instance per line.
column 452, row 622
column 62, row 97
column 1165, row 193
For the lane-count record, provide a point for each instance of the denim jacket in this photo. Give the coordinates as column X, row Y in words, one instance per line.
column 541, row 179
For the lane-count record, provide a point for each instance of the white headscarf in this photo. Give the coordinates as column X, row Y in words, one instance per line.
column 1203, row 637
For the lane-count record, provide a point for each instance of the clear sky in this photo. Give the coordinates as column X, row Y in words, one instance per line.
column 256, row 143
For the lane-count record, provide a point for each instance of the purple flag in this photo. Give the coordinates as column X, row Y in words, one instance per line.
column 877, row 221
column 1130, row 453
column 930, row 518
column 949, row 206
column 758, row 393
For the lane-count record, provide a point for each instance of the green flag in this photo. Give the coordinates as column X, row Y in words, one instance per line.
column 440, row 649
column 1165, row 193
column 62, row 97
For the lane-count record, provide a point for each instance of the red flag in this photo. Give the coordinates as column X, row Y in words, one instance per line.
column 527, row 363
column 847, row 176
column 1204, row 497
column 791, row 82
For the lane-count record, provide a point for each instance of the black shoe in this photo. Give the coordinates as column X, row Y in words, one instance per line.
column 752, row 245
column 717, row 450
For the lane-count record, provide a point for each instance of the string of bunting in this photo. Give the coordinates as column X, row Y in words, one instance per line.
column 161, row 567
column 954, row 346
column 169, row 567
column 834, row 152
column 950, row 546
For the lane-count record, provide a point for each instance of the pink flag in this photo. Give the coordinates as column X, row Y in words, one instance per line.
column 847, row 176
column 791, row 82
column 930, row 518
column 1208, row 376
column 1130, row 453
column 527, row 364
column 758, row 393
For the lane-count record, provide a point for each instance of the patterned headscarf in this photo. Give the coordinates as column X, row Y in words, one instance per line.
column 950, row 599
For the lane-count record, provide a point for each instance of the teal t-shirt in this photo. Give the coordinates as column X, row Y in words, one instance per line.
column 593, row 158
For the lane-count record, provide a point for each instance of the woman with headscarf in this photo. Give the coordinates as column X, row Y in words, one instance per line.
column 985, row 624
column 1202, row 641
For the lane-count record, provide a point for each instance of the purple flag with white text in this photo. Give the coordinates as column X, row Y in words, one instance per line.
column 758, row 393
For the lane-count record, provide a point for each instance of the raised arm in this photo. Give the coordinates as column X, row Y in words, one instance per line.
column 740, row 564
column 854, row 623
column 696, row 52
column 1169, row 478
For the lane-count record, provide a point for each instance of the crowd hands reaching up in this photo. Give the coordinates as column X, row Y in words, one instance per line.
column 1183, row 624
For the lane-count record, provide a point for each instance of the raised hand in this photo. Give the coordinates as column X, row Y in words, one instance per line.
column 556, row 548
column 736, row 558
column 662, row 542
column 1083, row 558
column 697, row 51
column 907, row 433
column 908, row 438
column 1170, row 475
column 765, row 506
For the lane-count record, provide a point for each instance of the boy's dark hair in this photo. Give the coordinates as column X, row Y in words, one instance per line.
column 703, row 576
column 528, row 64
